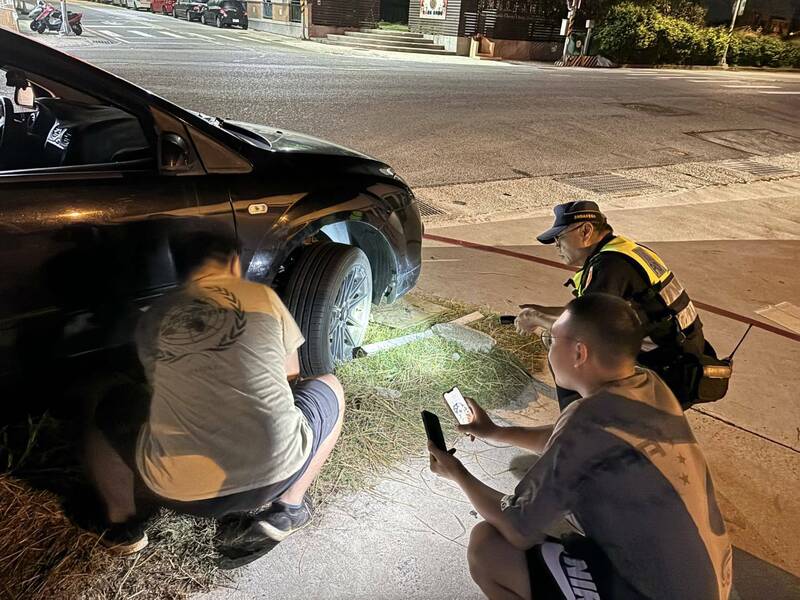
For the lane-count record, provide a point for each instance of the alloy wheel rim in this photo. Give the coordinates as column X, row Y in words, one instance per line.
column 348, row 317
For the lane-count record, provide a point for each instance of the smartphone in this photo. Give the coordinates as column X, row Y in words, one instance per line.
column 461, row 410
column 507, row 319
column 433, row 429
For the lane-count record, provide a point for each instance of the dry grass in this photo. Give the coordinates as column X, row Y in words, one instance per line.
column 44, row 556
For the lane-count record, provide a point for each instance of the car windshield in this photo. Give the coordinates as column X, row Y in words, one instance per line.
column 65, row 130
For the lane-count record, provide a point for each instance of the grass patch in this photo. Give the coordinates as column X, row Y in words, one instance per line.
column 381, row 429
column 44, row 555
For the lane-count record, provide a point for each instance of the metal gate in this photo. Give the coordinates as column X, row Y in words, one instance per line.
column 534, row 21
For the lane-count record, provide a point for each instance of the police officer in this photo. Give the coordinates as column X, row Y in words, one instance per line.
column 616, row 265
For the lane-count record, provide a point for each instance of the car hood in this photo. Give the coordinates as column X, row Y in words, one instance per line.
column 290, row 141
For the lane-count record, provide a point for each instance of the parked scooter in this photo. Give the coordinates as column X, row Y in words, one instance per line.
column 50, row 20
column 34, row 14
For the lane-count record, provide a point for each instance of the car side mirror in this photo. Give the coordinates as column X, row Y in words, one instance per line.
column 25, row 97
column 175, row 153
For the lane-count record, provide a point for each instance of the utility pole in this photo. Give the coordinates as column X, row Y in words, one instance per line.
column 572, row 12
column 738, row 11
column 64, row 20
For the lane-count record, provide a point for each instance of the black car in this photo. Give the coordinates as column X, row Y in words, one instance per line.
column 191, row 10
column 225, row 13
column 97, row 176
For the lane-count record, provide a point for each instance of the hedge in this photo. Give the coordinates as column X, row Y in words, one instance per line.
column 634, row 33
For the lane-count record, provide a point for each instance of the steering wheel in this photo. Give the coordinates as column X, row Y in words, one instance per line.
column 6, row 120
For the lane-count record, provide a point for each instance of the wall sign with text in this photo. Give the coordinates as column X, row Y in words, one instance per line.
column 432, row 9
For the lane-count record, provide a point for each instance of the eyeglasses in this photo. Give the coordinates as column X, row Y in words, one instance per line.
column 547, row 339
column 563, row 233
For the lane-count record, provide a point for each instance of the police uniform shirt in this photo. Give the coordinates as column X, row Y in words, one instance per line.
column 614, row 273
column 624, row 462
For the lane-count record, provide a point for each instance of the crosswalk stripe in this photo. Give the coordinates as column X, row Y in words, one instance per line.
column 110, row 33
column 170, row 34
column 228, row 37
column 141, row 33
column 781, row 93
column 200, row 35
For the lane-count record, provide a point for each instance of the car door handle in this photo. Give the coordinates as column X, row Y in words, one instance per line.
column 257, row 209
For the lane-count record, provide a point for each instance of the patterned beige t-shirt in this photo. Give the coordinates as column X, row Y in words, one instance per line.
column 222, row 417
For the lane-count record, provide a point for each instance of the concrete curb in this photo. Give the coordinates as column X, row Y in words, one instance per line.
column 712, row 68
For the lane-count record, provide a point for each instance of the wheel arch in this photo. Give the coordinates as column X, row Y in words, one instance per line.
column 340, row 228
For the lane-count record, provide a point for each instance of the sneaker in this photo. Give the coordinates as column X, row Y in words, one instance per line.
column 280, row 521
column 124, row 538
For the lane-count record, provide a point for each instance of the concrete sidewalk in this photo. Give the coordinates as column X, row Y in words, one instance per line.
column 406, row 537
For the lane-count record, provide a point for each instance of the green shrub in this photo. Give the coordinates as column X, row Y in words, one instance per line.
column 637, row 33
column 628, row 31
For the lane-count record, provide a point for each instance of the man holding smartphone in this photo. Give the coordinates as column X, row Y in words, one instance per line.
column 621, row 460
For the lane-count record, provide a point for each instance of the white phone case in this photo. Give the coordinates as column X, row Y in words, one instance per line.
column 459, row 406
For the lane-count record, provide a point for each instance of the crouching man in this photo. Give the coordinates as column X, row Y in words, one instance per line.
column 226, row 432
column 621, row 464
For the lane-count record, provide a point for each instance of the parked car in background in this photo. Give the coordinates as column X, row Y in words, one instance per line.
column 119, row 2
column 163, row 7
column 138, row 4
column 191, row 10
column 225, row 13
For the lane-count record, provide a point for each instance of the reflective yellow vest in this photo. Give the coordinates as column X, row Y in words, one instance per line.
column 663, row 284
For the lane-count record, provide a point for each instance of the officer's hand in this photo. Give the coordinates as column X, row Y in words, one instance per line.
column 528, row 320
column 481, row 425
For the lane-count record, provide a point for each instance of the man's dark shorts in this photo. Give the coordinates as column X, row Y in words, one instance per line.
column 124, row 410
column 575, row 567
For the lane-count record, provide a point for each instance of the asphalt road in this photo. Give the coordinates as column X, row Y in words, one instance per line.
column 442, row 121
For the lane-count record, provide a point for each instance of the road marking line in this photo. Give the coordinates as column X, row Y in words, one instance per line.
column 141, row 33
column 200, row 35
column 170, row 34
column 228, row 37
column 110, row 33
column 753, row 87
column 781, row 93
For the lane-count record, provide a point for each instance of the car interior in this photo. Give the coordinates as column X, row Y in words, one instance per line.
column 56, row 126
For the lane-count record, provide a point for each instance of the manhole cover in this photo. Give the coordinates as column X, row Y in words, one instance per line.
column 752, row 141
column 759, row 169
column 657, row 109
column 610, row 184
column 427, row 210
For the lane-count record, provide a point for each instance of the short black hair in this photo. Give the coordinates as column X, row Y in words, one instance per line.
column 191, row 250
column 608, row 324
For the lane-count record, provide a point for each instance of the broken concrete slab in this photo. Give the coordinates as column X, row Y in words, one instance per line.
column 469, row 339
column 406, row 312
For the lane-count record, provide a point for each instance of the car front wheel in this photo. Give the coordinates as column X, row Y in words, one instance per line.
column 330, row 295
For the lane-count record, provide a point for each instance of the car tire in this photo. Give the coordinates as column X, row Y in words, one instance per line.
column 164, row 10
column 330, row 295
column 77, row 29
column 244, row 27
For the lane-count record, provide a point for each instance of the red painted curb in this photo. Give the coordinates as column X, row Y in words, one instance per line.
column 557, row 265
